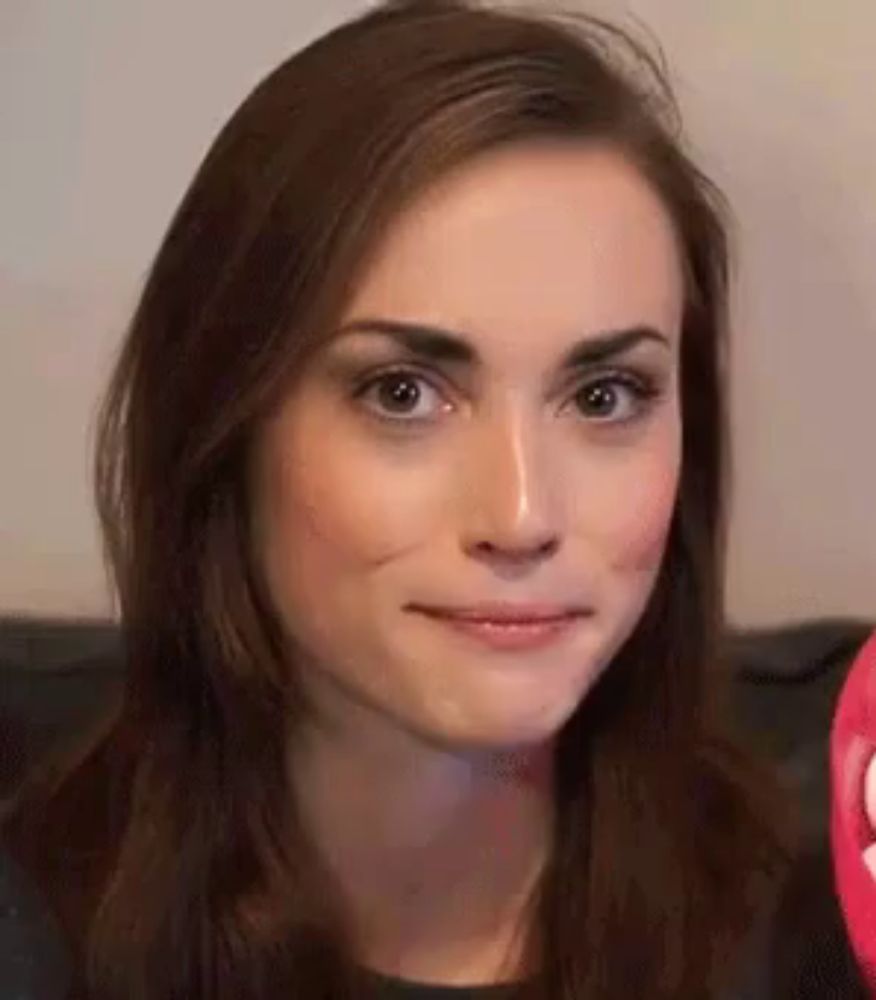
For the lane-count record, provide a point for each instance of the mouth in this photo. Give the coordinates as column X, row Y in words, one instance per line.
column 505, row 614
column 509, row 628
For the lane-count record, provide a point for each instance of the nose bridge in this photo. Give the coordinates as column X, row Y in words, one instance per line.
column 510, row 481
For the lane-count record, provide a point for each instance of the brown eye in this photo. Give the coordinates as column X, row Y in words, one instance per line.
column 598, row 397
column 396, row 395
column 398, row 392
column 598, row 400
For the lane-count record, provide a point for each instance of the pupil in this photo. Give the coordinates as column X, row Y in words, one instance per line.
column 597, row 393
column 400, row 391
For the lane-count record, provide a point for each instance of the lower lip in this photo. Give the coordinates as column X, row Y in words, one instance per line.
column 512, row 635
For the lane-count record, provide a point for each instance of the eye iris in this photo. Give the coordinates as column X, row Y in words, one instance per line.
column 399, row 391
column 598, row 393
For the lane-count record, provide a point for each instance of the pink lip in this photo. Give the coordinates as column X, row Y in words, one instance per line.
column 497, row 612
column 531, row 628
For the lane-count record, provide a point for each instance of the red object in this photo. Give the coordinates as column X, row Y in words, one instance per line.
column 852, row 746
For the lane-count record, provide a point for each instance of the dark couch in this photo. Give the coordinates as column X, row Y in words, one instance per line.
column 55, row 676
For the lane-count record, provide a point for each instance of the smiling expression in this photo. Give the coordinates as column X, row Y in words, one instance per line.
column 456, row 440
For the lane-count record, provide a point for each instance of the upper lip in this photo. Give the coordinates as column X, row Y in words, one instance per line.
column 501, row 611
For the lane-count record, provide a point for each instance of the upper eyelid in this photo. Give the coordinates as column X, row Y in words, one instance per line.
column 600, row 370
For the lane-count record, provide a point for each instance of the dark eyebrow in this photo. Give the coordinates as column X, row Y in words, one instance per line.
column 436, row 344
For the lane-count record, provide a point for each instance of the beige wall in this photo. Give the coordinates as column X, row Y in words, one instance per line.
column 105, row 114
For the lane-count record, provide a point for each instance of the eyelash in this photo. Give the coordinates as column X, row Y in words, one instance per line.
column 643, row 386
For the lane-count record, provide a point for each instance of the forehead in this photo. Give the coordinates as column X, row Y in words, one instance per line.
column 554, row 239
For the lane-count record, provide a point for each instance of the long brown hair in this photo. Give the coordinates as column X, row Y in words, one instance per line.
column 190, row 875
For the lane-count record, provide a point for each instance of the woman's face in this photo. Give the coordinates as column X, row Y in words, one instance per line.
column 404, row 472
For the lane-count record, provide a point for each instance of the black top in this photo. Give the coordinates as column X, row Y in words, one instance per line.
column 800, row 952
column 394, row 988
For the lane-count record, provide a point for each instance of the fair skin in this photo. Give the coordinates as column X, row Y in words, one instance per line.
column 424, row 770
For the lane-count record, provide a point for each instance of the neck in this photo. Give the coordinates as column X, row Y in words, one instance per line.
column 435, row 850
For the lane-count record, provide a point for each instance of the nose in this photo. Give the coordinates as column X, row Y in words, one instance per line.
column 512, row 515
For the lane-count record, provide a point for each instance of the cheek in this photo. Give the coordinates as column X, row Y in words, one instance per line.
column 642, row 522
column 336, row 498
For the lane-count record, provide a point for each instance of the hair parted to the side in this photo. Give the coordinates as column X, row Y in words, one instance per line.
column 171, row 845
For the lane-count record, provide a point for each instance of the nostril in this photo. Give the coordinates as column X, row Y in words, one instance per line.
column 517, row 552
